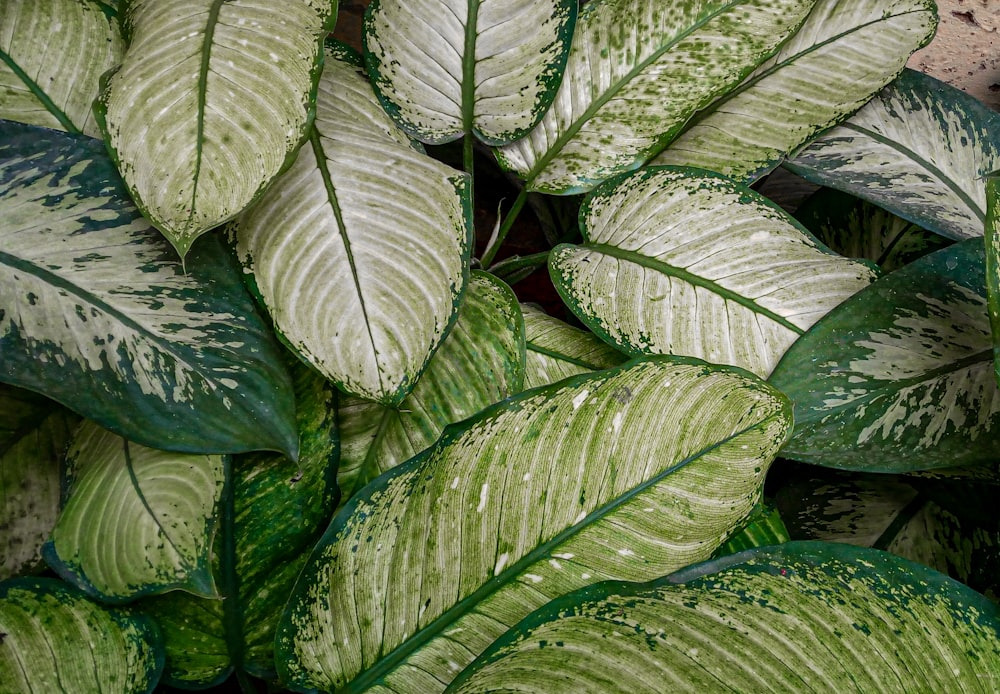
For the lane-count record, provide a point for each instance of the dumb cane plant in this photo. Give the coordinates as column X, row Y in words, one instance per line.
column 270, row 411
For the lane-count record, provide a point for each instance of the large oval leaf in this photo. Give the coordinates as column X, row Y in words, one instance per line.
column 844, row 53
column 209, row 104
column 137, row 520
column 56, row 640
column 684, row 261
column 480, row 362
column 636, row 72
column 557, row 350
column 920, row 149
column 899, row 377
column 627, row 473
column 52, row 54
column 446, row 68
column 361, row 249
column 804, row 616
column 96, row 312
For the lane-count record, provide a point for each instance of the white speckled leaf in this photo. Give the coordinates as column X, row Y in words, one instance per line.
column 557, row 350
column 137, row 520
column 920, row 149
column 803, row 616
column 900, row 377
column 629, row 474
column 361, row 249
column 685, row 261
column 444, row 68
column 637, row 71
column 211, row 101
column 993, row 262
column 96, row 312
column 845, row 52
column 52, row 54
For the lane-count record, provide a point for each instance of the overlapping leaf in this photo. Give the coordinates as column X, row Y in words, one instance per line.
column 900, row 376
column 919, row 149
column 626, row 473
column 209, row 104
column 844, row 53
column 636, row 72
column 96, row 312
column 557, row 350
column 361, row 249
column 684, row 261
column 52, row 54
column 798, row 617
column 445, row 68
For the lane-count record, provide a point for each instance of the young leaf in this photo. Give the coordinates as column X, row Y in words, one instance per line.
column 901, row 376
column 210, row 103
column 485, row 67
column 361, row 250
column 52, row 54
column 636, row 72
column 480, row 362
column 920, row 149
column 56, row 640
column 627, row 473
column 685, row 261
column 96, row 312
column 137, row 520
column 556, row 350
column 844, row 53
column 797, row 617
column 993, row 263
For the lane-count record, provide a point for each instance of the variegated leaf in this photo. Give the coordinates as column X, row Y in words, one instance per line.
column 637, row 71
column 447, row 68
column 557, row 350
column 992, row 263
column 845, row 52
column 803, row 616
column 685, row 261
column 96, row 312
column 763, row 527
column 137, row 521
column 919, row 149
column 52, row 54
column 210, row 103
column 629, row 473
column 361, row 250
column 899, row 377
column 480, row 362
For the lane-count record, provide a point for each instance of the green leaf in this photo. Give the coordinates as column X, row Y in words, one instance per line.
column 804, row 616
column 211, row 101
column 480, row 362
column 55, row 640
column 488, row 67
column 96, row 312
column 858, row 229
column 763, row 527
column 627, row 473
column 844, row 53
column 992, row 263
column 899, row 377
column 636, row 72
column 34, row 433
column 361, row 250
column 557, row 350
column 685, row 261
column 920, row 149
column 137, row 520
column 52, row 54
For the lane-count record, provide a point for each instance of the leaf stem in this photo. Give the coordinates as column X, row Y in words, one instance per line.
column 490, row 253
column 232, row 609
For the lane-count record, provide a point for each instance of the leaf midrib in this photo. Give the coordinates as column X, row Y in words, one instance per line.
column 39, row 94
column 531, row 346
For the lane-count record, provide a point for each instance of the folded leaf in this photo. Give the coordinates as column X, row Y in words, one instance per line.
column 627, row 473
column 685, row 261
column 96, row 312
column 557, row 350
column 901, row 376
column 210, row 103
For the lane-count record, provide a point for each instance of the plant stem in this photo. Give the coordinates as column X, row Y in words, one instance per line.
column 508, row 222
column 232, row 610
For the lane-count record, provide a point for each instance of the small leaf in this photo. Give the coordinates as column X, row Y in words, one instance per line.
column 489, row 67
column 797, row 617
column 685, row 261
column 56, row 640
column 901, row 376
column 557, row 350
column 919, row 149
